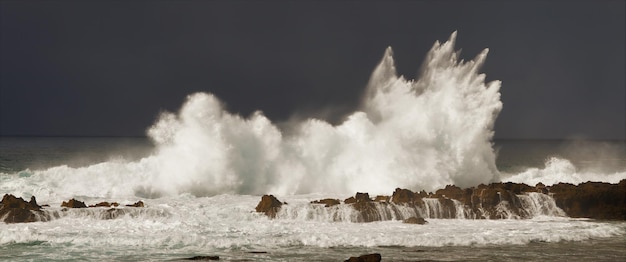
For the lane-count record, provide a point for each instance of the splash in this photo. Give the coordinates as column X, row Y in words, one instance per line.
column 559, row 170
column 419, row 134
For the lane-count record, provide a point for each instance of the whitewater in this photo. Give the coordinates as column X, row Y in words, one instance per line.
column 207, row 169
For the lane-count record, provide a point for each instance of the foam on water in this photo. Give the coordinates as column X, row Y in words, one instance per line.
column 225, row 222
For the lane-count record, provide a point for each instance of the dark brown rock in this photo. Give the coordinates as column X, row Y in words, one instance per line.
column 405, row 196
column 591, row 199
column 455, row 192
column 366, row 258
column 362, row 197
column 366, row 207
column 17, row 210
column 73, row 203
column 350, row 200
column 105, row 204
column 541, row 188
column 415, row 220
column 269, row 205
column 136, row 204
column 380, row 198
column 328, row 202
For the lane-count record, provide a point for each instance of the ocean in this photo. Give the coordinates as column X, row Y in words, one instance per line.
column 224, row 225
column 202, row 170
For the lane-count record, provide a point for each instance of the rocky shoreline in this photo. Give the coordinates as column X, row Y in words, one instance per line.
column 595, row 200
column 17, row 210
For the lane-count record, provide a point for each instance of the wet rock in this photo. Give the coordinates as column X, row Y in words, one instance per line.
column 105, row 204
column 380, row 198
column 328, row 202
column 405, row 196
column 17, row 210
column 136, row 204
column 73, row 203
column 541, row 188
column 269, row 205
column 366, row 258
column 591, row 199
column 415, row 220
column 366, row 207
column 350, row 200
column 112, row 213
column 201, row 258
column 455, row 192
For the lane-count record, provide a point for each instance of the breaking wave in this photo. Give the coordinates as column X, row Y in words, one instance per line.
column 419, row 134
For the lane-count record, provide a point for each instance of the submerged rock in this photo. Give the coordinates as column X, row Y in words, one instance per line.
column 17, row 210
column 415, row 220
column 366, row 258
column 269, row 205
column 136, row 204
column 73, row 203
column 105, row 204
column 327, row 202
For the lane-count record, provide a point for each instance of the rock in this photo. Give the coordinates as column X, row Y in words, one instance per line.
column 366, row 258
column 105, row 204
column 541, row 188
column 136, row 204
column 203, row 258
column 362, row 197
column 112, row 213
column 73, row 203
column 415, row 220
column 17, row 210
column 269, row 205
column 455, row 192
column 328, row 202
column 368, row 212
column 380, row 198
column 591, row 199
column 350, row 200
column 405, row 196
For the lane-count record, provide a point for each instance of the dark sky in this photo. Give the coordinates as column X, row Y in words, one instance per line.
column 109, row 67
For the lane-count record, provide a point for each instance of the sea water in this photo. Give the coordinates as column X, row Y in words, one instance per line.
column 201, row 172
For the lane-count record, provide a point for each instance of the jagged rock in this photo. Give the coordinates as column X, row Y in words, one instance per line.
column 366, row 258
column 328, row 202
column 380, row 198
column 269, row 205
column 455, row 192
column 591, row 199
column 73, row 203
column 362, row 203
column 136, row 204
column 541, row 188
column 362, row 197
column 17, row 210
column 350, row 200
column 105, row 204
column 415, row 220
column 405, row 196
